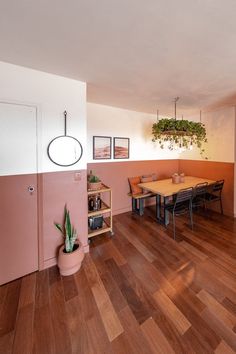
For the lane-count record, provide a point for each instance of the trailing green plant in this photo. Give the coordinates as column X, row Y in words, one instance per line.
column 68, row 231
column 179, row 133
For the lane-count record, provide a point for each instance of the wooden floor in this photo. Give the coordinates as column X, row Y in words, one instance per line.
column 139, row 292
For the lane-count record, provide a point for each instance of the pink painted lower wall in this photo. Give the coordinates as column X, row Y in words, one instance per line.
column 115, row 175
column 28, row 238
column 216, row 171
column 58, row 189
column 18, row 226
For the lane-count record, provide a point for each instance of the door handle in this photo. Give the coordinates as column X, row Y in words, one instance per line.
column 31, row 189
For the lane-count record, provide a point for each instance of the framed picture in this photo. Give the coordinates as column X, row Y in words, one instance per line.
column 101, row 147
column 121, row 148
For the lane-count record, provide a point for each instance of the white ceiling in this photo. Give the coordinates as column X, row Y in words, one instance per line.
column 134, row 54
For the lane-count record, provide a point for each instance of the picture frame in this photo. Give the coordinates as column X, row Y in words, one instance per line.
column 101, row 147
column 121, row 148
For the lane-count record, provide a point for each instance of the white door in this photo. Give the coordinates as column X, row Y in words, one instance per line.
column 18, row 191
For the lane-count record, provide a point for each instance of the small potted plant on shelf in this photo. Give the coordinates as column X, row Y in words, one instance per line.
column 94, row 182
column 71, row 252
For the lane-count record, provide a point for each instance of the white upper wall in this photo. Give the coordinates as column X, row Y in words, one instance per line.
column 115, row 122
column 112, row 121
column 220, row 128
column 52, row 95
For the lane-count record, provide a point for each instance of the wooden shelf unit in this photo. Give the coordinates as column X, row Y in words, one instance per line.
column 105, row 209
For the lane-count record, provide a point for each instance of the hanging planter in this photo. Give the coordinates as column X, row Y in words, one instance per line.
column 179, row 134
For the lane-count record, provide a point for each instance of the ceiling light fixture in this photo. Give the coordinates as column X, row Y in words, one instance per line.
column 177, row 134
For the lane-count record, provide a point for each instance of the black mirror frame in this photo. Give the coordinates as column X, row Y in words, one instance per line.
column 63, row 136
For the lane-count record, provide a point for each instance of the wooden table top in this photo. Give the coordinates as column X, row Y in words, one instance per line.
column 166, row 188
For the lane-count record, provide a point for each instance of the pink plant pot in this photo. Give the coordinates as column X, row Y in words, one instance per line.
column 175, row 179
column 70, row 263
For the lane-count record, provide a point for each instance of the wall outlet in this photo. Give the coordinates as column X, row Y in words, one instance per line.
column 77, row 176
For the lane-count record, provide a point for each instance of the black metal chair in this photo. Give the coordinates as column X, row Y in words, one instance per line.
column 199, row 195
column 181, row 205
column 214, row 193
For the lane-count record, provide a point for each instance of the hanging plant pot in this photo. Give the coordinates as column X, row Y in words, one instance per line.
column 180, row 133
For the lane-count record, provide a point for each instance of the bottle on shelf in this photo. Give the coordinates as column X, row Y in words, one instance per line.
column 97, row 202
column 91, row 204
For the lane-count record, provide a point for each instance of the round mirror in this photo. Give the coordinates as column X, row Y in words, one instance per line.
column 65, row 150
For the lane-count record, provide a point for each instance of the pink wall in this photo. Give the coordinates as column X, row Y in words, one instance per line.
column 18, row 227
column 21, row 214
column 115, row 175
column 55, row 189
column 58, row 189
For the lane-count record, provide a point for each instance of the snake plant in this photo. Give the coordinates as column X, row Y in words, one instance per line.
column 68, row 232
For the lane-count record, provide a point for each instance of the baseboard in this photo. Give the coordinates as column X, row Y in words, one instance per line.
column 49, row 263
column 121, row 211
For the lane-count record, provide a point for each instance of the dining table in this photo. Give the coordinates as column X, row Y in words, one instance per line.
column 165, row 189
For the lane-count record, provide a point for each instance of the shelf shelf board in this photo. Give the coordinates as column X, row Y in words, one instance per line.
column 104, row 188
column 99, row 231
column 105, row 209
column 98, row 212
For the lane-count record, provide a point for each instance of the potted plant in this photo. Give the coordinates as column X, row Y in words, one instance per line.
column 94, row 182
column 71, row 252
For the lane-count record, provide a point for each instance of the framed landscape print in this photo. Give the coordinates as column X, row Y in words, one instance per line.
column 121, row 148
column 101, row 147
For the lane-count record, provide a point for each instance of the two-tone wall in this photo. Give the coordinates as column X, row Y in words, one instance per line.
column 220, row 153
column 146, row 156
column 57, row 186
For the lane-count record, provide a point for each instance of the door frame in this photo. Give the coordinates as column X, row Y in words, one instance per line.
column 39, row 179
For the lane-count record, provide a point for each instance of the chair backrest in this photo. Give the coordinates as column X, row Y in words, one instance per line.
column 184, row 195
column 200, row 189
column 218, row 186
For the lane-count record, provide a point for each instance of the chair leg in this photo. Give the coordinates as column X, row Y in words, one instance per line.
column 173, row 219
column 191, row 217
column 138, row 206
column 141, row 208
column 133, row 205
column 221, row 206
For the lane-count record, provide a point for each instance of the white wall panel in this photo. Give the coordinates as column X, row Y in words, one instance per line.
column 52, row 95
column 220, row 128
column 116, row 122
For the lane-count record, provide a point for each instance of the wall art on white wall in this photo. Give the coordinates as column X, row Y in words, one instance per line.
column 121, row 148
column 101, row 147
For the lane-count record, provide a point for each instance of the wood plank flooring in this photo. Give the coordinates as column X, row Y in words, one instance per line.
column 138, row 292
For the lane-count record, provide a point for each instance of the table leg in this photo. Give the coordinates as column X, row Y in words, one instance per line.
column 163, row 219
column 166, row 213
column 158, row 207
